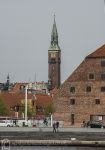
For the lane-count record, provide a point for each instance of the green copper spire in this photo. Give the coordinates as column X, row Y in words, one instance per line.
column 54, row 37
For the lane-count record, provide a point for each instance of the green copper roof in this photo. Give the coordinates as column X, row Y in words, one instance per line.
column 54, row 38
column 54, row 30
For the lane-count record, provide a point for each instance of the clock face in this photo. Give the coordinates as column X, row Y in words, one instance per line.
column 53, row 55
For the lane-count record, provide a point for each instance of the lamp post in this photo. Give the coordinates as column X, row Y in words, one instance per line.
column 51, row 121
column 26, row 103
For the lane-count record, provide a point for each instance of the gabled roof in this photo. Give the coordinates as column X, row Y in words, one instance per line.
column 99, row 53
column 16, row 87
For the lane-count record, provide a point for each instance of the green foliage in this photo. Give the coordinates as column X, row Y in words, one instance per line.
column 3, row 109
column 48, row 110
column 30, row 110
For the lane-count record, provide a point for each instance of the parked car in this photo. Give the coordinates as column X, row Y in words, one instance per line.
column 6, row 123
column 94, row 124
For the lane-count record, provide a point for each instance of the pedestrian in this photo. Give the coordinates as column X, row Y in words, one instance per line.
column 45, row 121
column 57, row 125
column 54, row 127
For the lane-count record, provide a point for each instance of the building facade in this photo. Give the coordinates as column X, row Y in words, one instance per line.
column 54, row 60
column 82, row 96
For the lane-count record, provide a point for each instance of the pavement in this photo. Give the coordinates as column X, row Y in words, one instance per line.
column 28, row 133
column 50, row 129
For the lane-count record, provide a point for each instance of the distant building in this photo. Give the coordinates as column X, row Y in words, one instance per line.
column 14, row 103
column 7, row 85
column 82, row 96
column 36, row 87
column 54, row 60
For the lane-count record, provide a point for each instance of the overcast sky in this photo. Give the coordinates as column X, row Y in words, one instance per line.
column 25, row 35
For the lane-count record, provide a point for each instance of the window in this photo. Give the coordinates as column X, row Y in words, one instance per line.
column 97, row 101
column 103, row 63
column 72, row 119
column 72, row 101
column 91, row 76
column 72, row 89
column 103, row 76
column 88, row 89
column 103, row 89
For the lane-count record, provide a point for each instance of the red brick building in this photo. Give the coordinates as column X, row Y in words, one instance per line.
column 82, row 96
column 37, row 102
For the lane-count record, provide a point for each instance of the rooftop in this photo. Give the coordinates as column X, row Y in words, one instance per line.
column 99, row 53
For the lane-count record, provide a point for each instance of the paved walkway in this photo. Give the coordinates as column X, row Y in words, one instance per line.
column 49, row 129
column 26, row 133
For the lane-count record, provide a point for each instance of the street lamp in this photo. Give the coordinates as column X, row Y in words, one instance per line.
column 26, row 102
column 51, row 119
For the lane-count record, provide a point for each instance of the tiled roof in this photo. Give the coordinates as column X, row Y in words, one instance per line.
column 11, row 99
column 43, row 100
column 99, row 53
column 16, row 87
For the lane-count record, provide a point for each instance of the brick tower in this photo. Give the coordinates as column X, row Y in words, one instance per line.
column 54, row 60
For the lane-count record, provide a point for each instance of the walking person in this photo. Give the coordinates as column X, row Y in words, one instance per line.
column 54, row 127
column 57, row 125
column 45, row 121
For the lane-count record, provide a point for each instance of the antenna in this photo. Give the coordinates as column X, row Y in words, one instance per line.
column 54, row 17
column 35, row 77
column 35, row 81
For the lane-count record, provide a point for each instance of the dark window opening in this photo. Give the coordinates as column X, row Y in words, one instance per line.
column 91, row 76
column 88, row 89
column 52, row 60
column 72, row 101
column 103, row 76
column 97, row 101
column 72, row 119
column 72, row 89
column 103, row 63
column 103, row 89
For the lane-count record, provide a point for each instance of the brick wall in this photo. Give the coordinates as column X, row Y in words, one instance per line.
column 85, row 104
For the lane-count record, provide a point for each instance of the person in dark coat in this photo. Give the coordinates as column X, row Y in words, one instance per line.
column 57, row 125
column 54, row 127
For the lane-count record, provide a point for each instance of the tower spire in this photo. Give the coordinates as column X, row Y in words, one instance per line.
column 54, row 17
column 54, row 37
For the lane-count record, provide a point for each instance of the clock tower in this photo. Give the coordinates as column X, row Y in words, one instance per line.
column 54, row 60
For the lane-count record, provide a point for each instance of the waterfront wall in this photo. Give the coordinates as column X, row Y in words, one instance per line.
column 55, row 143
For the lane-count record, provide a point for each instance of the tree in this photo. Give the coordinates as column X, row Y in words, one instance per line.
column 31, row 111
column 3, row 109
column 48, row 110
